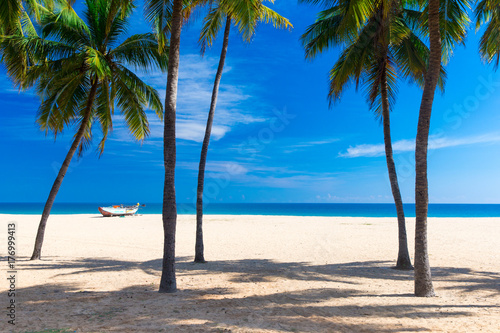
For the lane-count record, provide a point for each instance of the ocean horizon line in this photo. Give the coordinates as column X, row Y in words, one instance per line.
column 272, row 209
column 250, row 203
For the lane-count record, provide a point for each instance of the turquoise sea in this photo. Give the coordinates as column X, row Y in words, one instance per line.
column 295, row 209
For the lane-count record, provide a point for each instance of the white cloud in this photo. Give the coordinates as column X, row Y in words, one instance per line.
column 195, row 86
column 307, row 144
column 196, row 131
column 471, row 140
column 196, row 76
column 257, row 175
column 218, row 167
column 316, row 143
column 370, row 150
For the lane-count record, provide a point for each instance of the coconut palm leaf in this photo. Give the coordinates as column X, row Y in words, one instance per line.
column 454, row 22
column 212, row 24
column 267, row 15
column 142, row 51
column 10, row 12
column 15, row 21
column 488, row 13
column 342, row 20
column 159, row 14
column 244, row 14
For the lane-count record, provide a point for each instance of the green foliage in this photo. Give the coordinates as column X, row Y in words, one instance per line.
column 159, row 14
column 245, row 14
column 453, row 24
column 73, row 56
column 488, row 12
column 381, row 39
column 16, row 20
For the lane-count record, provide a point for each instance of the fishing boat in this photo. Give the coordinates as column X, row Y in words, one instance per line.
column 118, row 210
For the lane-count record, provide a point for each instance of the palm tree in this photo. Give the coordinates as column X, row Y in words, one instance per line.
column 423, row 279
column 378, row 49
column 446, row 23
column 167, row 16
column 81, row 74
column 245, row 14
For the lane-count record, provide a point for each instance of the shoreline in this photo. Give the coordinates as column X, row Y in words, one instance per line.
column 264, row 274
column 225, row 216
column 273, row 209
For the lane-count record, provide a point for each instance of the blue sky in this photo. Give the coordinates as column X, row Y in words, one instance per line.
column 275, row 139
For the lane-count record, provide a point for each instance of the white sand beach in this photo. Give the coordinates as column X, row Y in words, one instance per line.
column 265, row 274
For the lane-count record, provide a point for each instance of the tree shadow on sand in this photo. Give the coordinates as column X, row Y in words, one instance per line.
column 264, row 270
column 143, row 309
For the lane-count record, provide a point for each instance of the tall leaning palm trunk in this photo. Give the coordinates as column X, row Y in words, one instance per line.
column 199, row 248
column 168, row 282
column 423, row 280
column 245, row 15
column 403, row 261
column 37, row 251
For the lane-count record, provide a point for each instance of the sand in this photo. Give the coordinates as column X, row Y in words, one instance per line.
column 265, row 274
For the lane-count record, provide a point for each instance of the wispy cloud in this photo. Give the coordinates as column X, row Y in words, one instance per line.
column 370, row 150
column 308, row 144
column 234, row 106
column 216, row 167
column 195, row 86
column 257, row 175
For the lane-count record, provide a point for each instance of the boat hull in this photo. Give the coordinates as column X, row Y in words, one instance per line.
column 118, row 211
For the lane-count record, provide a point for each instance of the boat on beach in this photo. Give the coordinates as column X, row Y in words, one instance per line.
column 118, row 210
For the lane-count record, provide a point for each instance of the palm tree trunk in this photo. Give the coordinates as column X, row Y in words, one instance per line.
column 403, row 261
column 199, row 248
column 423, row 279
column 37, row 251
column 168, row 282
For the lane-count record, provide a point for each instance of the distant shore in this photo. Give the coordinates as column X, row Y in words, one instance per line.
column 265, row 274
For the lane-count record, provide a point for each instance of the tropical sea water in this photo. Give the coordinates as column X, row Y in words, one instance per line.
column 293, row 209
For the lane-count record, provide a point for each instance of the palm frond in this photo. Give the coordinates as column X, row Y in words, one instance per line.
column 76, row 68
column 412, row 57
column 381, row 72
column 323, row 34
column 268, row 15
column 141, row 50
column 488, row 13
column 149, row 94
column 244, row 14
column 212, row 23
column 103, row 112
column 97, row 63
column 349, row 68
column 61, row 101
column 159, row 14
column 10, row 11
